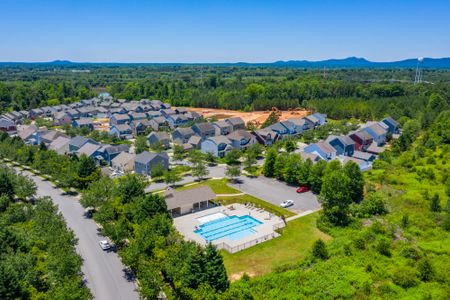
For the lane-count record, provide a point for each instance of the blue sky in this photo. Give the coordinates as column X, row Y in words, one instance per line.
column 222, row 31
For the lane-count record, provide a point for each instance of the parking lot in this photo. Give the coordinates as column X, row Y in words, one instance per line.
column 274, row 191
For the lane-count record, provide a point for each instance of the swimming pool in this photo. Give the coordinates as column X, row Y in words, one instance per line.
column 232, row 227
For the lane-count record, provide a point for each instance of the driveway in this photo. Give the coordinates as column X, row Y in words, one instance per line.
column 274, row 191
column 214, row 172
column 103, row 271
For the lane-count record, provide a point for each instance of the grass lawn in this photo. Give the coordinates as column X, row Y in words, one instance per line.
column 219, row 186
column 293, row 245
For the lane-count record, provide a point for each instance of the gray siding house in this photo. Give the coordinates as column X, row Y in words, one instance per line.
column 145, row 161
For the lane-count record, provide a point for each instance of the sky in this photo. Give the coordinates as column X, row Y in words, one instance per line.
column 222, row 31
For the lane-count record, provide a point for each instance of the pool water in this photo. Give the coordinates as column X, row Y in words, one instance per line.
column 232, row 227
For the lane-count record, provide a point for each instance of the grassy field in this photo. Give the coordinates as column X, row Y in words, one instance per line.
column 219, row 186
column 294, row 243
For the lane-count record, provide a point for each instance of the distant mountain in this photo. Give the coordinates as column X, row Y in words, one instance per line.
column 348, row 63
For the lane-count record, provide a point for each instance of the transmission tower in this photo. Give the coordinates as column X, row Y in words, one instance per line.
column 419, row 72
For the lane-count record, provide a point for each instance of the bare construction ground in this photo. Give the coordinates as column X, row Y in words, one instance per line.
column 255, row 116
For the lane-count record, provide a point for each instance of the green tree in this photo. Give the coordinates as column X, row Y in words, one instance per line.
column 233, row 172
column 140, row 144
column 290, row 146
column 130, row 186
column 356, row 183
column 171, row 177
column 178, row 152
column 320, row 250
column 315, row 176
column 335, row 197
column 269, row 163
column 271, row 119
column 97, row 193
column 199, row 170
column 435, row 203
column 157, row 171
column 215, row 269
column 86, row 172
column 6, row 183
column 232, row 157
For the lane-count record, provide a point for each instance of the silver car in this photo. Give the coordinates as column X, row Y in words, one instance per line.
column 105, row 245
column 287, row 203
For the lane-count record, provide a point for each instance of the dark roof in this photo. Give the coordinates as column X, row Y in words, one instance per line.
column 176, row 199
column 184, row 131
column 79, row 141
column 160, row 135
column 239, row 135
column 204, row 127
column 117, row 148
column 146, row 157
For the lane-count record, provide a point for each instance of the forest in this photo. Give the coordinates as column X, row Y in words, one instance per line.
column 232, row 87
column 37, row 250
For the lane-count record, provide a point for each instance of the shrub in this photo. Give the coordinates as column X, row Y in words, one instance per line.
column 405, row 277
column 320, row 250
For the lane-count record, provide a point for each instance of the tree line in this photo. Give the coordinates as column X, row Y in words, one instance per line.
column 37, row 250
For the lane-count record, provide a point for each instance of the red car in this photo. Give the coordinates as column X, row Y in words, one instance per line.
column 302, row 189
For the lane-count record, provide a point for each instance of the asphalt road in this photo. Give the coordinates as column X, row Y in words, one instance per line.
column 104, row 272
column 275, row 192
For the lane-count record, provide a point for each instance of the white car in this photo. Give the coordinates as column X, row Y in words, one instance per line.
column 287, row 203
column 105, row 245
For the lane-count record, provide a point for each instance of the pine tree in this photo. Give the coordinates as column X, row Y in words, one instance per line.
column 269, row 164
column 215, row 270
column 195, row 274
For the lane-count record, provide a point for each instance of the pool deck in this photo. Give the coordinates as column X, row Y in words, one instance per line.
column 186, row 225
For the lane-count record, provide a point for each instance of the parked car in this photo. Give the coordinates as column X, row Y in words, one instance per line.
column 303, row 189
column 287, row 203
column 105, row 245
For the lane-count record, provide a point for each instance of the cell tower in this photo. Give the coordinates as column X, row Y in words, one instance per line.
column 419, row 72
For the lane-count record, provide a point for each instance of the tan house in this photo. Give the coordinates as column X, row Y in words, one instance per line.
column 124, row 162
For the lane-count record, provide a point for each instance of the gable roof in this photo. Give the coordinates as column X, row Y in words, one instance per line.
column 123, row 158
column 27, row 132
column 111, row 149
column 204, row 127
column 120, row 117
column 176, row 199
column 219, row 139
column 84, row 121
column 222, row 124
column 235, row 121
column 184, row 131
column 160, row 135
column 239, row 135
column 79, row 141
column 52, row 135
column 88, row 149
column 58, row 143
column 146, row 157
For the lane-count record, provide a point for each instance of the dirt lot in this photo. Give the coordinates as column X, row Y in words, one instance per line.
column 258, row 116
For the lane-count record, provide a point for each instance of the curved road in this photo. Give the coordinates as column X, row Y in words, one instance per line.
column 103, row 271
